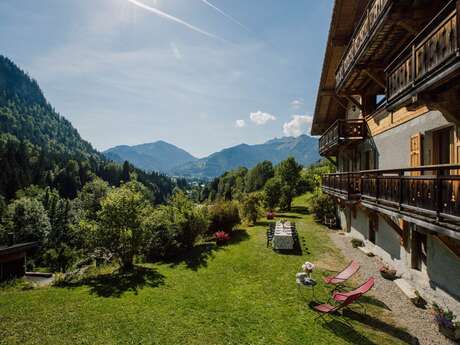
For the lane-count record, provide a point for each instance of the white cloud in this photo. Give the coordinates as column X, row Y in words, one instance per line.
column 261, row 118
column 240, row 123
column 175, row 50
column 300, row 124
column 297, row 103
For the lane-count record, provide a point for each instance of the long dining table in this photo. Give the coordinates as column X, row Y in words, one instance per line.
column 283, row 237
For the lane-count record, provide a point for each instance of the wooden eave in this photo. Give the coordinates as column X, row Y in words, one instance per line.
column 345, row 16
column 398, row 25
column 16, row 248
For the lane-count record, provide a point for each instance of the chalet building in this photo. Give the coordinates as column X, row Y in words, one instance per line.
column 388, row 113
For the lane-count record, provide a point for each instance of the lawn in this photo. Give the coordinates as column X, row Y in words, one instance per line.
column 243, row 293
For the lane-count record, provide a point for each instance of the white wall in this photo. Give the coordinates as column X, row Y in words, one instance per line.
column 393, row 146
column 359, row 225
column 438, row 281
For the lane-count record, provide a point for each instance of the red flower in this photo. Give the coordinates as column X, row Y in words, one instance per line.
column 221, row 236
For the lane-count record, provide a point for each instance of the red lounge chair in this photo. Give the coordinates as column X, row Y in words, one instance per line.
column 343, row 276
column 362, row 289
column 327, row 309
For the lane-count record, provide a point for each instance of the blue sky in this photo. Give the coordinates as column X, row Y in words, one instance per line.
column 203, row 75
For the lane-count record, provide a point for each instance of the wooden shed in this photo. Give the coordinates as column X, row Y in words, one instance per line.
column 13, row 260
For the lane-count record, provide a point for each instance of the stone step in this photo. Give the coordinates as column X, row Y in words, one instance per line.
column 366, row 251
column 405, row 287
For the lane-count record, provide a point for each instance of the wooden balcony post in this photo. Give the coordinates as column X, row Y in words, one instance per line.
column 438, row 182
column 458, row 26
column 377, row 188
column 348, row 185
column 401, row 188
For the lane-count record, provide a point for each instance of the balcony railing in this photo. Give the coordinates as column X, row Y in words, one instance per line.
column 341, row 132
column 434, row 50
column 364, row 30
column 343, row 185
column 429, row 193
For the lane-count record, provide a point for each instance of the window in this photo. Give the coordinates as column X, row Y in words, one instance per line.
column 373, row 224
column 418, row 250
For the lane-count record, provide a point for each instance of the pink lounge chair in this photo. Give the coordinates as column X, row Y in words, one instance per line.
column 343, row 276
column 327, row 309
column 362, row 289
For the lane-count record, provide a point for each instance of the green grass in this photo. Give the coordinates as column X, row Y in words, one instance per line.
column 243, row 293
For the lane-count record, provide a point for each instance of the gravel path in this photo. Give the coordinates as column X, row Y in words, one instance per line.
column 418, row 322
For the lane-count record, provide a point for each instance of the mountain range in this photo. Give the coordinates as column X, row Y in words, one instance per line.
column 170, row 159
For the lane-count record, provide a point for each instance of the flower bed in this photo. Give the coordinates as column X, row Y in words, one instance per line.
column 447, row 325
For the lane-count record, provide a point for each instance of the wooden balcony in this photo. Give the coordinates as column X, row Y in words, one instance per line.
column 342, row 132
column 386, row 27
column 367, row 43
column 428, row 196
column 430, row 59
column 342, row 185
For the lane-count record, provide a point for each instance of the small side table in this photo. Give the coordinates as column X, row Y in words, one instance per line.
column 305, row 282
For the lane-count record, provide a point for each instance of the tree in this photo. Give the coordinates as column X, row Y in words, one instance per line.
column 27, row 219
column 285, row 200
column 68, row 180
column 272, row 193
column 250, row 208
column 288, row 171
column 258, row 176
column 311, row 176
column 88, row 201
column 126, row 171
column 60, row 247
column 119, row 227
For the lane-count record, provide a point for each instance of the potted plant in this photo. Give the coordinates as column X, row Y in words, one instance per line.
column 221, row 237
column 308, row 268
column 304, row 277
column 418, row 300
column 387, row 272
column 356, row 242
column 447, row 325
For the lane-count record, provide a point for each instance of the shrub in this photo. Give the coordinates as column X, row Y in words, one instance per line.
column 223, row 215
column 171, row 229
column 250, row 208
column 322, row 205
column 192, row 220
column 160, row 232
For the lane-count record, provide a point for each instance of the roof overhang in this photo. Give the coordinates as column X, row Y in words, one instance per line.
column 329, row 107
column 16, row 248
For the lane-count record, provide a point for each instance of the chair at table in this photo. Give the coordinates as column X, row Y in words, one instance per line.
column 270, row 233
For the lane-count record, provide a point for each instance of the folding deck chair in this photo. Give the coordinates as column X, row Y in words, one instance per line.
column 343, row 276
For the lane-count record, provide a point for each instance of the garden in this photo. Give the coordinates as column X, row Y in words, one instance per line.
column 237, row 293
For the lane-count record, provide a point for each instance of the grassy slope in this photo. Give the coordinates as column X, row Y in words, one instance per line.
column 240, row 294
